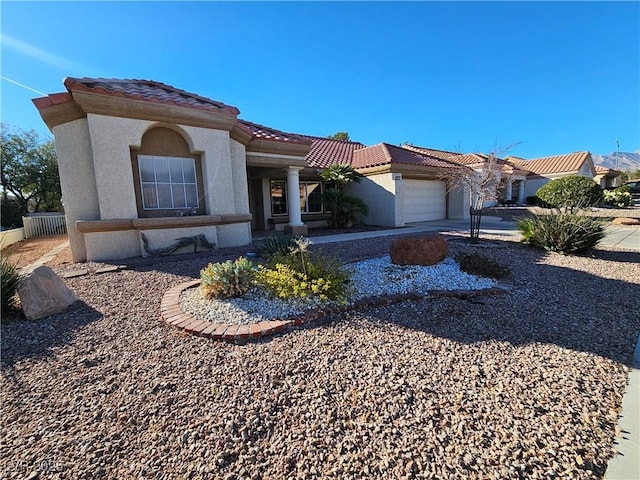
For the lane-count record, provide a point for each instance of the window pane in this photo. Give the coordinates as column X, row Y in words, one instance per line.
column 175, row 169
column 178, row 196
column 149, row 199
column 192, row 196
column 162, row 169
column 164, row 195
column 314, row 198
column 189, row 168
column 145, row 165
column 278, row 197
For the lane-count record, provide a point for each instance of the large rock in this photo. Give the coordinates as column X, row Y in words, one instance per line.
column 43, row 293
column 419, row 251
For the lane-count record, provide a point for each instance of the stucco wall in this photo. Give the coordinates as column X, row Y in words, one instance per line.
column 458, row 204
column 112, row 245
column 379, row 193
column 77, row 180
column 239, row 172
column 532, row 186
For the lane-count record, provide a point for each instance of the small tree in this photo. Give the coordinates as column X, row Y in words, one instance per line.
column 571, row 193
column 343, row 208
column 481, row 183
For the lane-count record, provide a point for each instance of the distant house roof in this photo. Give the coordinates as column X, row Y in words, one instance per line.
column 441, row 154
column 607, row 172
column 568, row 163
column 460, row 158
column 385, row 154
column 147, row 91
column 267, row 133
column 326, row 151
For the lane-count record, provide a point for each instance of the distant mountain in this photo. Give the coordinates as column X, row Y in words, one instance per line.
column 626, row 160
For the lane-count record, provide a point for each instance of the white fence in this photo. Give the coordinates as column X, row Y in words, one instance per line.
column 44, row 225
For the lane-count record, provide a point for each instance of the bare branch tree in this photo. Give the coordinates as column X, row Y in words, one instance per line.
column 478, row 179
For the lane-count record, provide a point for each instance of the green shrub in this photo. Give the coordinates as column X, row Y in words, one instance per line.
column 571, row 193
column 302, row 274
column 278, row 244
column 561, row 232
column 227, row 279
column 476, row 264
column 620, row 197
column 345, row 209
column 10, row 280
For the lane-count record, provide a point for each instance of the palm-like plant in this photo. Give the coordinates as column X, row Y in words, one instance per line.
column 341, row 175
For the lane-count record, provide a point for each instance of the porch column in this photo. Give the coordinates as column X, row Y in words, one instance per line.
column 295, row 225
column 509, row 193
column 521, row 196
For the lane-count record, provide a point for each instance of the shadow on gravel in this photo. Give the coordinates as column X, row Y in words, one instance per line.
column 549, row 304
column 34, row 339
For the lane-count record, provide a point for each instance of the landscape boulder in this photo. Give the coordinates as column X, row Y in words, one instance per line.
column 625, row 221
column 43, row 293
column 419, row 250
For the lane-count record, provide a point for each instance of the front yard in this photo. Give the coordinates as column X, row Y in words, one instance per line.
column 522, row 385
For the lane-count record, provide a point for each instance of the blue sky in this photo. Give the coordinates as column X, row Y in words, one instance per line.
column 558, row 77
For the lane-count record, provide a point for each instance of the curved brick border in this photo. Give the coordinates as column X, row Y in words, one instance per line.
column 174, row 316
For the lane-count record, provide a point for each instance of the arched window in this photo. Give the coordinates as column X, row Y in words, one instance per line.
column 167, row 176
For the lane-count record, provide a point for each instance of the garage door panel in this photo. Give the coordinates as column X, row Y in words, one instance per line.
column 424, row 200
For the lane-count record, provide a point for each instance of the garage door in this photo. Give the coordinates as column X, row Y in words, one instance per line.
column 424, row 200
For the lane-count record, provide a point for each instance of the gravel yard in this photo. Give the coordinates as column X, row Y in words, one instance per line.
column 522, row 385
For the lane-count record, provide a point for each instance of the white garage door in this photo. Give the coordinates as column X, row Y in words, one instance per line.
column 424, row 200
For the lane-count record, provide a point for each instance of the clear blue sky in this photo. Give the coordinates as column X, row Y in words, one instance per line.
column 559, row 77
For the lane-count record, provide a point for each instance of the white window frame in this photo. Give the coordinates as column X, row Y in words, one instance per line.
column 170, row 183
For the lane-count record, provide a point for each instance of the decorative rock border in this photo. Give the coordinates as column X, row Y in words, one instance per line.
column 174, row 316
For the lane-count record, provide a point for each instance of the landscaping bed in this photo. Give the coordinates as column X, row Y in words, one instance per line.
column 522, row 385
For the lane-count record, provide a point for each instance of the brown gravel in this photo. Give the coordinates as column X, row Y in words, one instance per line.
column 522, row 385
column 26, row 252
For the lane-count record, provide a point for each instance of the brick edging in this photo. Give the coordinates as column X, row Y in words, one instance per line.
column 174, row 316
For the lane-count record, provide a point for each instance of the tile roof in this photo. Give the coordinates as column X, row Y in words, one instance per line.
column 385, row 154
column 442, row 154
column 148, row 91
column 271, row 134
column 602, row 170
column 327, row 151
column 571, row 162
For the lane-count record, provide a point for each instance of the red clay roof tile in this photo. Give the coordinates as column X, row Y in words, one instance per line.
column 384, row 154
column 326, row 151
column 568, row 163
column 147, row 90
column 267, row 133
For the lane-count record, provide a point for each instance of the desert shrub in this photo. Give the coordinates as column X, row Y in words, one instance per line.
column 10, row 281
column 345, row 210
column 300, row 273
column 227, row 279
column 571, row 193
column 561, row 232
column 275, row 244
column 476, row 264
column 620, row 197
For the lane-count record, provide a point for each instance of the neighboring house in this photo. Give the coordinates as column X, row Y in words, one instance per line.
column 607, row 177
column 544, row 169
column 510, row 180
column 141, row 157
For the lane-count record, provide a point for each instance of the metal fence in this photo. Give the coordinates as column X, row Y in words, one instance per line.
column 44, row 225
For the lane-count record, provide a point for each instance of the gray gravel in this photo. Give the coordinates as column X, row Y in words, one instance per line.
column 522, row 385
column 372, row 277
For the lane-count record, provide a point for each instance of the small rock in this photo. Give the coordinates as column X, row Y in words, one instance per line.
column 43, row 293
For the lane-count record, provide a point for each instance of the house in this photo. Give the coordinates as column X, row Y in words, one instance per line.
column 608, row 177
column 544, row 169
column 138, row 157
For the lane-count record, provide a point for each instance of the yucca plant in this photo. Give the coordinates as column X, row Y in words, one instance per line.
column 227, row 279
column 562, row 232
column 10, row 280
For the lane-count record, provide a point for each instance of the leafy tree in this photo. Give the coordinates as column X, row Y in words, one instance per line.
column 340, row 136
column 571, row 193
column 29, row 171
column 629, row 175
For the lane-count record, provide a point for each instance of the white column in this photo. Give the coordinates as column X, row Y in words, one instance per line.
column 293, row 196
column 521, row 197
column 509, row 193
